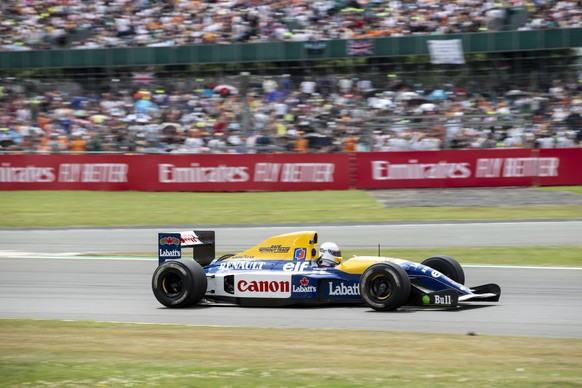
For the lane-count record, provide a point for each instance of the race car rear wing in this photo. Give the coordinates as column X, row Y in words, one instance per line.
column 201, row 241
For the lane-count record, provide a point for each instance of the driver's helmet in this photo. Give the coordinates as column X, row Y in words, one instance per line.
column 329, row 254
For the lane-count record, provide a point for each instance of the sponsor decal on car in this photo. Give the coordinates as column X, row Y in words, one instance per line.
column 243, row 257
column 242, row 265
column 439, row 298
column 304, row 286
column 169, row 240
column 169, row 246
column 252, row 286
column 424, row 269
column 274, row 249
column 342, row 289
column 444, row 299
column 296, row 266
column 300, row 254
column 170, row 254
column 189, row 238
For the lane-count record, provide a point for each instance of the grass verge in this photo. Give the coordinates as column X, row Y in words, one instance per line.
column 567, row 256
column 100, row 208
column 553, row 256
column 81, row 354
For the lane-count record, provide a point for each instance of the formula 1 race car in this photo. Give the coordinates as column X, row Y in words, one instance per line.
column 283, row 270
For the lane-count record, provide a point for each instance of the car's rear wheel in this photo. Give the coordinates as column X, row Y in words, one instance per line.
column 447, row 266
column 179, row 283
column 385, row 286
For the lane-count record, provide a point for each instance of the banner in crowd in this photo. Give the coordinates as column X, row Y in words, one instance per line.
column 360, row 47
column 469, row 168
column 293, row 172
column 226, row 172
column 315, row 47
column 446, row 51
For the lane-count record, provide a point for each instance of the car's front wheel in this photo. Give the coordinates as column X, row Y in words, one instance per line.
column 385, row 286
column 447, row 266
column 179, row 283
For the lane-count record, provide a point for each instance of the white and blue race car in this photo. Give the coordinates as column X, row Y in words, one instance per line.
column 283, row 270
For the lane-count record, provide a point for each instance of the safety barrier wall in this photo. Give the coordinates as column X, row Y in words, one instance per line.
column 470, row 168
column 485, row 42
column 293, row 172
column 224, row 172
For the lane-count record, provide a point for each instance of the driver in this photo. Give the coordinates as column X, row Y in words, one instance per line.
column 329, row 255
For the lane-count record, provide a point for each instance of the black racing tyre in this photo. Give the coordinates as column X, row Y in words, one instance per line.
column 447, row 266
column 179, row 283
column 385, row 286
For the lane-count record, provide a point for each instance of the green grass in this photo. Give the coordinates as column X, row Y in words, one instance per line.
column 569, row 256
column 570, row 189
column 552, row 256
column 81, row 354
column 96, row 208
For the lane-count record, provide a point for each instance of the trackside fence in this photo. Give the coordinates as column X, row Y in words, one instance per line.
column 292, row 172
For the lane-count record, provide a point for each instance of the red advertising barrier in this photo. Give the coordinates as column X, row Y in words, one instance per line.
column 568, row 166
column 293, row 172
column 225, row 172
column 469, row 168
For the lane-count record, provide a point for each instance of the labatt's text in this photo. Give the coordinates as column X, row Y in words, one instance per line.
column 170, row 253
column 342, row 289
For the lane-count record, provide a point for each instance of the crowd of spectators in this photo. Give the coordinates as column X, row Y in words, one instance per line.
column 282, row 114
column 82, row 24
column 276, row 114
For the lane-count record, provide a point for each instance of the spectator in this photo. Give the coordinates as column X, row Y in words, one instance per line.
column 81, row 24
column 194, row 144
column 574, row 121
column 110, row 122
column 78, row 144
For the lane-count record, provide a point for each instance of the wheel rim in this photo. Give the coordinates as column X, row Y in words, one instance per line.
column 380, row 287
column 172, row 284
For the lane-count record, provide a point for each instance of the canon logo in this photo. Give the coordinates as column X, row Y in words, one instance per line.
column 264, row 286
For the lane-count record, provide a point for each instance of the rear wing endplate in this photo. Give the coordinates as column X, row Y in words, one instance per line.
column 202, row 242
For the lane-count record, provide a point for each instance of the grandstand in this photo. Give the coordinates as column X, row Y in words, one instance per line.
column 305, row 76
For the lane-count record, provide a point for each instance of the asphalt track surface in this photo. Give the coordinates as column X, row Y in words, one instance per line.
column 239, row 237
column 39, row 281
